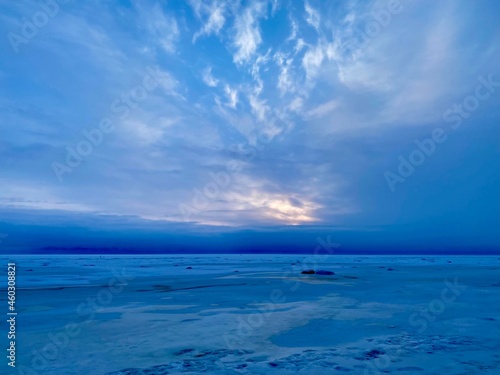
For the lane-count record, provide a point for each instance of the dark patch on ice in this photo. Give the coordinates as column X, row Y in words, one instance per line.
column 184, row 351
column 203, row 354
column 199, row 362
column 207, row 286
column 372, row 354
column 306, row 359
column 308, row 272
column 324, row 272
column 429, row 344
column 166, row 288
column 163, row 288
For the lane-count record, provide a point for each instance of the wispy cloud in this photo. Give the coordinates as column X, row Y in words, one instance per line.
column 212, row 14
column 312, row 60
column 312, row 15
column 247, row 38
column 162, row 26
column 232, row 95
column 285, row 80
column 323, row 109
column 208, row 78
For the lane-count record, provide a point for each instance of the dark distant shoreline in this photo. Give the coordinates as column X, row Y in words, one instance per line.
column 93, row 251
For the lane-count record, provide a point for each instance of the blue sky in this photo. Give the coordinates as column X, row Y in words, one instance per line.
column 274, row 117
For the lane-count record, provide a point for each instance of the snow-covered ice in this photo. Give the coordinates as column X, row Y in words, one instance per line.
column 257, row 314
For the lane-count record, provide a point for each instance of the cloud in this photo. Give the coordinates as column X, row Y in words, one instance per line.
column 296, row 104
column 278, row 208
column 312, row 15
column 285, row 82
column 336, row 117
column 294, row 30
column 260, row 61
column 22, row 196
column 232, row 95
column 404, row 81
column 212, row 14
column 259, row 107
column 208, row 77
column 142, row 133
column 247, row 37
column 323, row 109
column 312, row 61
column 162, row 26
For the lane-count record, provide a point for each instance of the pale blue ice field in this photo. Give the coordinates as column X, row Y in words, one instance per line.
column 256, row 314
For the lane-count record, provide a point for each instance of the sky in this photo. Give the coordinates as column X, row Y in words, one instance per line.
column 233, row 126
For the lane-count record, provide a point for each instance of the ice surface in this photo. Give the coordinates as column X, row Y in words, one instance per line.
column 151, row 315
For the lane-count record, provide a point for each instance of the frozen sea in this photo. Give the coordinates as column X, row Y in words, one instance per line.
column 255, row 314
